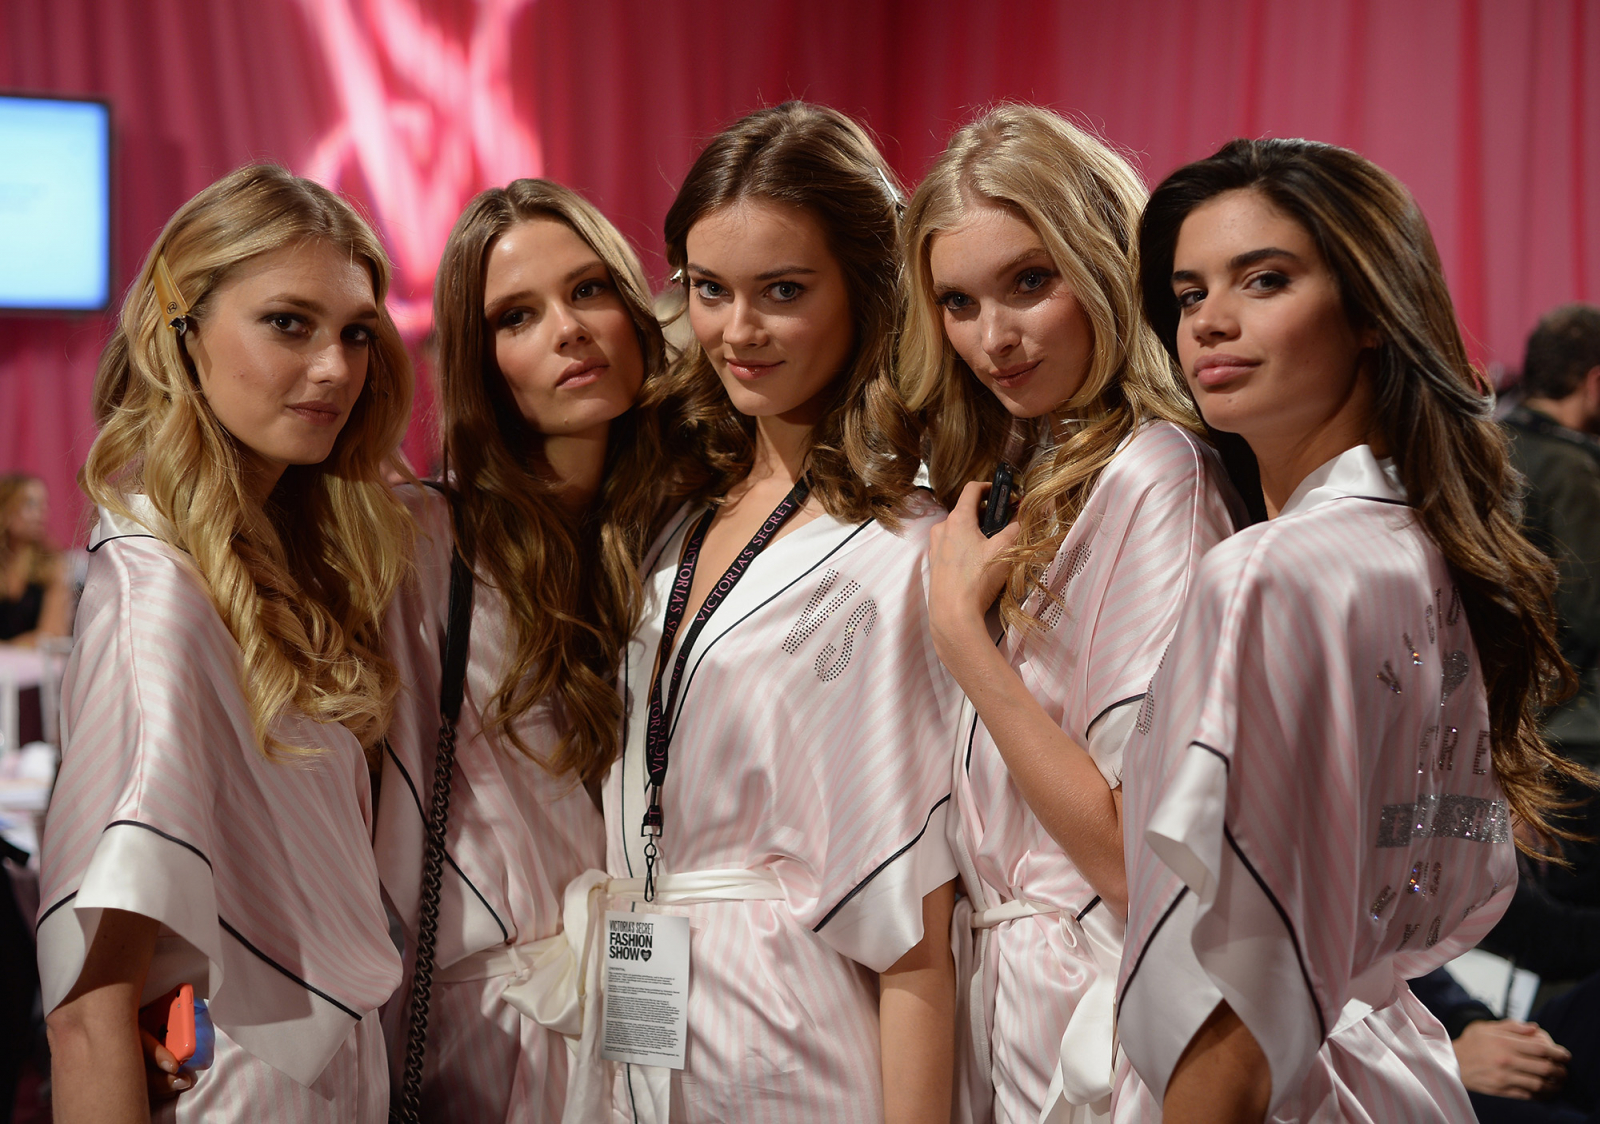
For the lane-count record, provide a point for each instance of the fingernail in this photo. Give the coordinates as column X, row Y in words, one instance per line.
column 181, row 1083
column 170, row 1067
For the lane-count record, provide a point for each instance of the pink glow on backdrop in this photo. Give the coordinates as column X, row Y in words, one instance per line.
column 427, row 122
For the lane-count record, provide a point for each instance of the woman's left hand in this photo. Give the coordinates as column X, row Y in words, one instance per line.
column 964, row 576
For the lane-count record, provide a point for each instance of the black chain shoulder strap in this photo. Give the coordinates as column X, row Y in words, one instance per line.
column 452, row 688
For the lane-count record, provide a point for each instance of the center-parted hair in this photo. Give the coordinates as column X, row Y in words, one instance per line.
column 864, row 451
column 1083, row 202
column 569, row 583
column 1432, row 409
column 304, row 582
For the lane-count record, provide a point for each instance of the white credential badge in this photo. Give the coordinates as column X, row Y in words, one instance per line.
column 646, row 989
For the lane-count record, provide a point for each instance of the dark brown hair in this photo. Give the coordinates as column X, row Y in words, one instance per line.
column 864, row 452
column 570, row 586
column 1432, row 409
column 1562, row 349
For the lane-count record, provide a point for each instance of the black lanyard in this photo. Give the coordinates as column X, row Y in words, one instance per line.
column 658, row 735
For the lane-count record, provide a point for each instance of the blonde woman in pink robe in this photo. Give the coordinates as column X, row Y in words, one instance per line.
column 799, row 719
column 1024, row 315
column 211, row 823
column 1322, row 794
column 545, row 337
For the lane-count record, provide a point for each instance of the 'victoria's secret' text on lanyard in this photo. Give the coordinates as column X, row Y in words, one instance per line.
column 658, row 734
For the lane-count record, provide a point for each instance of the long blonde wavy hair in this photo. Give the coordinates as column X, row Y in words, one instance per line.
column 1083, row 201
column 303, row 581
column 863, row 456
column 570, row 585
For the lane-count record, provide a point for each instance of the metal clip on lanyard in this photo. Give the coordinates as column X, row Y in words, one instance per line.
column 658, row 736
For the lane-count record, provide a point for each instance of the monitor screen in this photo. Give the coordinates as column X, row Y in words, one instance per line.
column 55, row 204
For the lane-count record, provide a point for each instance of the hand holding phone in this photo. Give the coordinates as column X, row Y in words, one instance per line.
column 997, row 507
column 1001, row 502
column 182, row 1024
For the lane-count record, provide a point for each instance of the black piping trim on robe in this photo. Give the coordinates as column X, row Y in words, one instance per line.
column 317, row 991
column 506, row 933
column 859, row 886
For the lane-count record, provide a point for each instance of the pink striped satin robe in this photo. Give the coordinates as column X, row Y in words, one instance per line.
column 1118, row 580
column 812, row 739
column 260, row 871
column 1311, row 813
column 517, row 836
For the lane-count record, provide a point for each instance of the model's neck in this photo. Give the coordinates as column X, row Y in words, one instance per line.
column 578, row 461
column 781, row 449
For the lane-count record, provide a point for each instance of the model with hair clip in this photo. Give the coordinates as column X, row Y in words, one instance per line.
column 1024, row 316
column 211, row 823
column 545, row 337
column 1323, row 784
column 783, row 780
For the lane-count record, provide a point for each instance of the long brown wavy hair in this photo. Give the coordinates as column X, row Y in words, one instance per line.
column 570, row 585
column 1083, row 201
column 303, row 582
column 1432, row 409
column 864, row 452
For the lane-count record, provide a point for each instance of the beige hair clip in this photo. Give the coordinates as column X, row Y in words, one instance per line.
column 174, row 309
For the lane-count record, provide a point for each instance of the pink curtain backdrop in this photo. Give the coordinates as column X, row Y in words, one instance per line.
column 1488, row 109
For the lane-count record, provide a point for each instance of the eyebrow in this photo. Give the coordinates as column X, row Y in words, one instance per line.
column 940, row 288
column 574, row 274
column 769, row 275
column 316, row 308
column 1240, row 261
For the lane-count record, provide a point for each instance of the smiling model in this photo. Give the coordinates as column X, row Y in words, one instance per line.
column 1322, row 789
column 211, row 823
column 1024, row 305
column 783, row 780
column 545, row 338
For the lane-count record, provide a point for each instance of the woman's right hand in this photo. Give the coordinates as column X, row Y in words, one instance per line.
column 164, row 1077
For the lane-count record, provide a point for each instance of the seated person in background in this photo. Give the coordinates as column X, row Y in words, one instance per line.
column 1546, row 1071
column 33, row 576
column 1554, row 444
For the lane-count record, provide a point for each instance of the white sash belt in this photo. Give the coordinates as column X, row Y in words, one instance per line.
column 1009, row 911
column 544, row 980
column 730, row 885
column 588, row 1078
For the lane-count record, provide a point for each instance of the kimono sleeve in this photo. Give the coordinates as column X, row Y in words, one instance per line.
column 132, row 824
column 1159, row 508
column 889, row 795
column 1256, row 813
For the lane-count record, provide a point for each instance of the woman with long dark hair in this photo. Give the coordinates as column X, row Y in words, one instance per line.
column 1331, row 759
column 784, row 775
column 545, row 338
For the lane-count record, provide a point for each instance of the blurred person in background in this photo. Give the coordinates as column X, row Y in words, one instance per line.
column 33, row 576
column 1554, row 445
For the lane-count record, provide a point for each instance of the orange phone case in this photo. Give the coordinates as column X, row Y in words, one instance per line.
column 171, row 1020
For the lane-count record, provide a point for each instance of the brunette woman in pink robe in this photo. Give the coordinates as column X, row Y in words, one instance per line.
column 803, row 722
column 546, row 335
column 211, row 823
column 1328, row 766
column 1024, row 313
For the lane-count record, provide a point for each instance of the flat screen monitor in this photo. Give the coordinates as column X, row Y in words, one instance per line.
column 55, row 204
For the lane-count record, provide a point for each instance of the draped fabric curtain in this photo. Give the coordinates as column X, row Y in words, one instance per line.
column 1489, row 110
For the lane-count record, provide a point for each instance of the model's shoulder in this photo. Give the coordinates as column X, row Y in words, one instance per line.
column 152, row 586
column 1158, row 454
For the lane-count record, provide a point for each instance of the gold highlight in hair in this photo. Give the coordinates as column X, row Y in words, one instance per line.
column 303, row 583
column 1083, row 201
